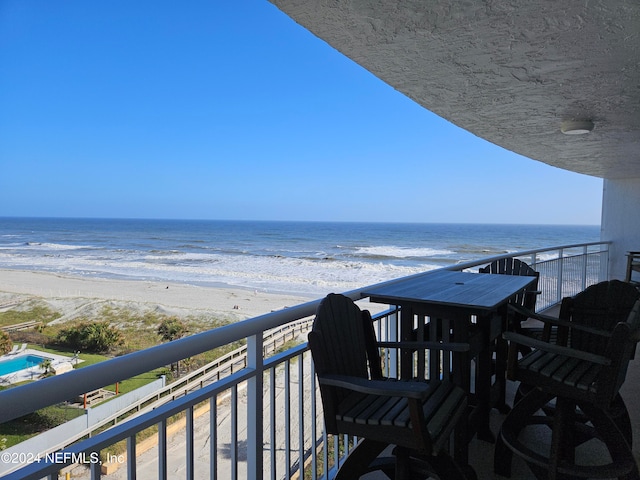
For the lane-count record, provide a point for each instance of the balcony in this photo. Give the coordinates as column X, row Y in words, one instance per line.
column 258, row 418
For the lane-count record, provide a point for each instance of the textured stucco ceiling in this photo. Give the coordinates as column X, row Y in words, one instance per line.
column 507, row 71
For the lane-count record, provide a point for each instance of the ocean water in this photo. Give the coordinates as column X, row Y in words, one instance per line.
column 306, row 258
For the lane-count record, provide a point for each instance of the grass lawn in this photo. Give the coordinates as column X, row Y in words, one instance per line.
column 21, row 429
column 92, row 358
column 139, row 333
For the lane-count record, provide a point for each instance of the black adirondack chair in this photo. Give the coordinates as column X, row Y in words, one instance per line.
column 417, row 417
column 583, row 371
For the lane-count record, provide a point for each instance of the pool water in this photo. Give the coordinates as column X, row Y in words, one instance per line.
column 19, row 363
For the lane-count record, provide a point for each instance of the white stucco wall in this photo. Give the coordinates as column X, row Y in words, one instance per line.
column 621, row 222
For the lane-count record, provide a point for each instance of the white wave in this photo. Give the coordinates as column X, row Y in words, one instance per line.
column 547, row 256
column 56, row 246
column 401, row 252
column 285, row 274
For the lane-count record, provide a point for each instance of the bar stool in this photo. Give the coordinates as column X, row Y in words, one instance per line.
column 583, row 379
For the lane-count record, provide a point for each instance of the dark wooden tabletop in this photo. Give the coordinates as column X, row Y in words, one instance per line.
column 478, row 291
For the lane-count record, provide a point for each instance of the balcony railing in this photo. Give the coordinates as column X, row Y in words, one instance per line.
column 260, row 421
column 564, row 271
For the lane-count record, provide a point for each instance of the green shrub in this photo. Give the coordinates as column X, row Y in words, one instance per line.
column 91, row 337
column 171, row 329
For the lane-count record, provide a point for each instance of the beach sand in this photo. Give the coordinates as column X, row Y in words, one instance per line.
column 85, row 297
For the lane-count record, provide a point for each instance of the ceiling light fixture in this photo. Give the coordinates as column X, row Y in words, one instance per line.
column 576, row 127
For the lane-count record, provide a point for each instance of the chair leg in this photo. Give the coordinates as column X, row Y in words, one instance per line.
column 360, row 459
column 562, row 441
column 403, row 465
column 567, row 423
column 520, row 416
column 446, row 468
column 618, row 411
column 420, row 466
column 621, row 416
column 623, row 464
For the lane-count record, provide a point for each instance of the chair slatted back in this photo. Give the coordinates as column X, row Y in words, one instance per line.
column 612, row 307
column 600, row 306
column 342, row 342
column 627, row 338
column 513, row 266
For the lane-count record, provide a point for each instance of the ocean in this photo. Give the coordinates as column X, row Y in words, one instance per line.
column 302, row 258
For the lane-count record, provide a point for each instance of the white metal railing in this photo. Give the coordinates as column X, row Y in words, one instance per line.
column 261, row 421
column 564, row 271
column 148, row 399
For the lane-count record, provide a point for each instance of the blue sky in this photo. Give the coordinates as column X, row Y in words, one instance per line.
column 230, row 110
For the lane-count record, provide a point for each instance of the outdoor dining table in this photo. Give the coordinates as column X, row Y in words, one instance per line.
column 459, row 307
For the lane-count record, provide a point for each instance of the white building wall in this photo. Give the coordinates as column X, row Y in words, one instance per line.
column 621, row 222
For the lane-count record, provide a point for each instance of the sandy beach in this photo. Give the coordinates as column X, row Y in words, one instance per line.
column 75, row 296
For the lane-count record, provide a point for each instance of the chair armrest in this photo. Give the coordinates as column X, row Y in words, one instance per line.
column 557, row 349
column 426, row 345
column 557, row 322
column 530, row 313
column 416, row 390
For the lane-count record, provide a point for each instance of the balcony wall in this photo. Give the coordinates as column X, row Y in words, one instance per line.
column 621, row 221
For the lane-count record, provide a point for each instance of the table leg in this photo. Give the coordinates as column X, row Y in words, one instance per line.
column 483, row 353
column 462, row 377
column 484, row 366
column 502, row 354
column 406, row 333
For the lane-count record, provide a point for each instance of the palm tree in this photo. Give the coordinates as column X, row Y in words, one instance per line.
column 48, row 369
column 169, row 330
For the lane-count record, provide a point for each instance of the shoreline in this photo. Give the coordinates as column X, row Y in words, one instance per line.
column 74, row 296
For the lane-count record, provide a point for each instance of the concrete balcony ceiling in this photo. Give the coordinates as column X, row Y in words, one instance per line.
column 510, row 72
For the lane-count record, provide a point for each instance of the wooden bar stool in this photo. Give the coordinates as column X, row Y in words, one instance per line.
column 418, row 417
column 574, row 388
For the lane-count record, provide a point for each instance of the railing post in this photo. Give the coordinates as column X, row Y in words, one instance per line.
column 190, row 450
column 254, row 408
column 585, row 257
column 314, row 428
column 162, row 450
column 604, row 263
column 559, row 277
column 393, row 337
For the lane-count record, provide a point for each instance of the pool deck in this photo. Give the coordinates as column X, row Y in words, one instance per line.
column 60, row 363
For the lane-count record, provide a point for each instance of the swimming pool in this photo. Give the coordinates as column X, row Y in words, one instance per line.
column 19, row 363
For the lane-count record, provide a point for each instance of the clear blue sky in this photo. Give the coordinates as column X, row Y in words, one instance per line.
column 230, row 110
